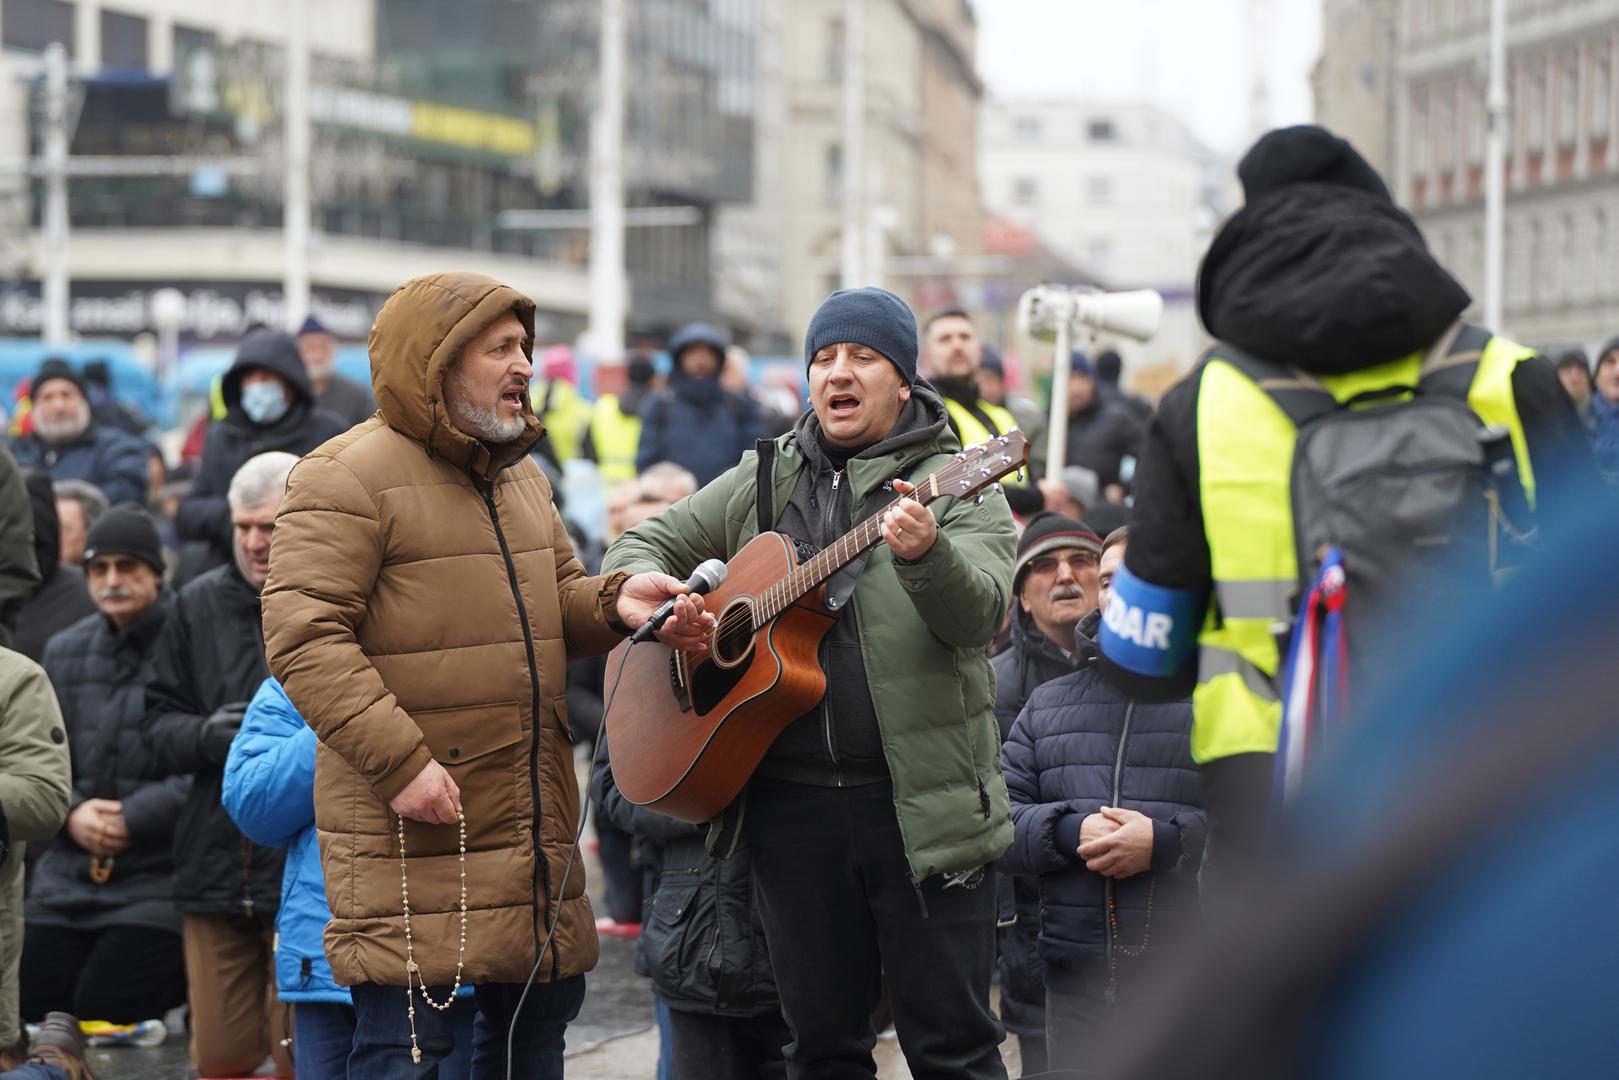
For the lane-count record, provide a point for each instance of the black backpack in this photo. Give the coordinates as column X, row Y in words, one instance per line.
column 1407, row 482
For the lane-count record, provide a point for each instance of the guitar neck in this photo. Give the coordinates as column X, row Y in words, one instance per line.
column 829, row 560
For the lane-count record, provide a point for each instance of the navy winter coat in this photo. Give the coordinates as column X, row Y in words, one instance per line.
column 100, row 675
column 1073, row 738
column 1027, row 664
column 698, row 425
column 114, row 461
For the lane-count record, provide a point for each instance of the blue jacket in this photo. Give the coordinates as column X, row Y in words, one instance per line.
column 1605, row 422
column 1060, row 760
column 698, row 425
column 112, row 460
column 270, row 793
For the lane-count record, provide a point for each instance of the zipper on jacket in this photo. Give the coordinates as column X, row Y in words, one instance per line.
column 542, row 868
column 1118, row 776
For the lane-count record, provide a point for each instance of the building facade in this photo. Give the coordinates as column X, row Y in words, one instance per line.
column 1561, row 281
column 1353, row 81
column 921, row 207
column 428, row 121
column 1123, row 192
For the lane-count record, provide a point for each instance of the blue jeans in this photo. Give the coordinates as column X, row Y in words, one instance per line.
column 325, row 1038
column 35, row 1071
column 382, row 1032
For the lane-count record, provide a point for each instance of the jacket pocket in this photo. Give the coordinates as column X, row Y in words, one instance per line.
column 674, row 938
column 481, row 748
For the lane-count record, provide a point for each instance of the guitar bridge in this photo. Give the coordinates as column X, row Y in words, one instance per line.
column 680, row 679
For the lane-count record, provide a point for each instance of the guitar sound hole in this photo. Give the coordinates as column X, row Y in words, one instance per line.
column 733, row 636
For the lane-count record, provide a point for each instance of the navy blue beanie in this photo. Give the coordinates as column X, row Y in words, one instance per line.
column 870, row 316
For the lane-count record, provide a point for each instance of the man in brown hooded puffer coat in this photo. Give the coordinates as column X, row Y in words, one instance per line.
column 423, row 600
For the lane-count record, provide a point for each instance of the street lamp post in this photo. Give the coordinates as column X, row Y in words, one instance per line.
column 1495, row 166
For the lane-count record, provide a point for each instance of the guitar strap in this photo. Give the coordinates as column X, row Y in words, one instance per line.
column 766, row 449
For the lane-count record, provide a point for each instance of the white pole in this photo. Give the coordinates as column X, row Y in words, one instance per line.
column 54, row 287
column 295, row 207
column 854, row 142
column 607, row 283
column 1494, row 164
column 1057, row 421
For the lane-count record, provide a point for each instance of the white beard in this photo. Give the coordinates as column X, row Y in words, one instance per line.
column 486, row 423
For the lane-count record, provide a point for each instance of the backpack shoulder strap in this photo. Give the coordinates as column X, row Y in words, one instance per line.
column 1450, row 365
column 1297, row 393
column 763, row 498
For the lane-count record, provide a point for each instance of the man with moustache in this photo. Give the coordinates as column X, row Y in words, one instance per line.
column 1055, row 584
column 871, row 820
column 103, row 937
column 423, row 602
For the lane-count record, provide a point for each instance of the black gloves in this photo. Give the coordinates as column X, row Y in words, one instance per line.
column 218, row 730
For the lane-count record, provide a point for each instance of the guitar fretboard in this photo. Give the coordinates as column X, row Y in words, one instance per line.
column 971, row 471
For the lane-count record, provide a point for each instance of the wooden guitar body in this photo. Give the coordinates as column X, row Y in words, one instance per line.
column 685, row 739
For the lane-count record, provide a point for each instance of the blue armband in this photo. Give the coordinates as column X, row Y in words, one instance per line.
column 1148, row 629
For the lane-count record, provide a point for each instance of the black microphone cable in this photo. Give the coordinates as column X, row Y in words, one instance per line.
column 584, row 816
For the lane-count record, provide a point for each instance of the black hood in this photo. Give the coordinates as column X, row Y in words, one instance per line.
column 1327, row 277
column 272, row 351
column 47, row 528
column 921, row 421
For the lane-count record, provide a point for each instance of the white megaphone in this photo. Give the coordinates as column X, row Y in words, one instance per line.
column 1054, row 313
column 1042, row 310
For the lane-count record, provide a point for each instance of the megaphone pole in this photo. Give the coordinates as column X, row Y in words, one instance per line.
column 1057, row 423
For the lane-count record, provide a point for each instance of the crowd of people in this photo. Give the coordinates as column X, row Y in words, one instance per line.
column 287, row 732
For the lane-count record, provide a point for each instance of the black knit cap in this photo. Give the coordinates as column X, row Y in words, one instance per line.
column 870, row 316
column 1048, row 532
column 125, row 530
column 56, row 368
column 1306, row 154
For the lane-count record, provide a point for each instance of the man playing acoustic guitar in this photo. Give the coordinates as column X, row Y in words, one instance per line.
column 873, row 818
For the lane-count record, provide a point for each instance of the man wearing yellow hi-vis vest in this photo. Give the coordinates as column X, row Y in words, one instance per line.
column 1339, row 342
column 614, row 434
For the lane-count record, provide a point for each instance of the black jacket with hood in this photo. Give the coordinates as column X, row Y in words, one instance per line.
column 204, row 516
column 1322, row 271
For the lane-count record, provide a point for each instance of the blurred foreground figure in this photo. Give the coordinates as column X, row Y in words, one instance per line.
column 1443, row 906
column 1333, row 321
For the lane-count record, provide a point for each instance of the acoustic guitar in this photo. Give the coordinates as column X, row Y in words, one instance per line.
column 685, row 737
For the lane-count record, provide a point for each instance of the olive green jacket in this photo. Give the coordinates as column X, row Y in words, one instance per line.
column 35, row 782
column 924, row 626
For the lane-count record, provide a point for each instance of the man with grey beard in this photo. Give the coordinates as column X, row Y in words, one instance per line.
column 68, row 444
column 103, row 935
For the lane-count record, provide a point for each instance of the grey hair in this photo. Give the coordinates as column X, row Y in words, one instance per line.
column 92, row 503
column 261, row 478
column 668, row 481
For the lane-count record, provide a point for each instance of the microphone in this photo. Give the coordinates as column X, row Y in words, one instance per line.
column 706, row 578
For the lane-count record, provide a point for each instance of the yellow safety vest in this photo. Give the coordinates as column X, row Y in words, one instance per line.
column 1245, row 464
column 616, row 438
column 971, row 429
column 564, row 414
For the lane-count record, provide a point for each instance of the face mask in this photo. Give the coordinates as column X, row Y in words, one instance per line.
column 264, row 402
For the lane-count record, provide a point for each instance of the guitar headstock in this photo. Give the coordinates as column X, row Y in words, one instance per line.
column 977, row 467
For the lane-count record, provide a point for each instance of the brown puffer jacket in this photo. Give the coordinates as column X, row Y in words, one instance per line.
column 423, row 601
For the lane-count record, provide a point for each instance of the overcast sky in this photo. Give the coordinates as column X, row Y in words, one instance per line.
column 1193, row 57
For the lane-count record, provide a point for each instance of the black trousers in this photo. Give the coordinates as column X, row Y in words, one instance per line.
column 1081, row 1025
column 121, row 974
column 728, row 1048
column 841, row 915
